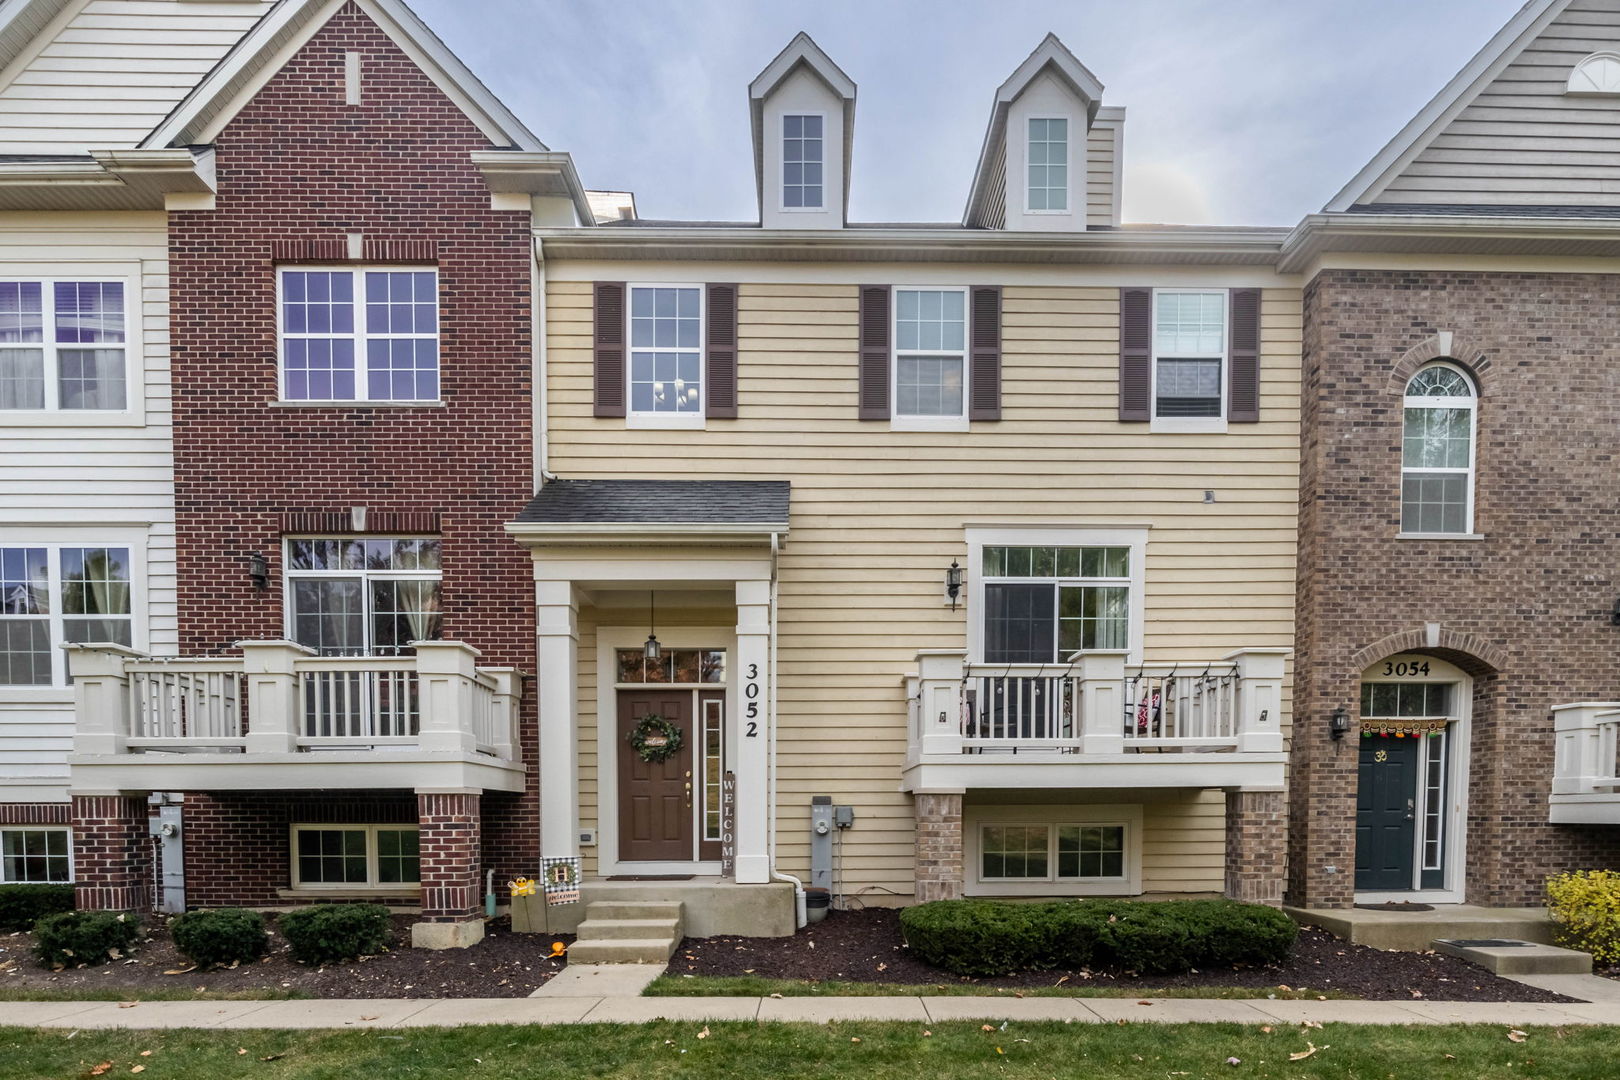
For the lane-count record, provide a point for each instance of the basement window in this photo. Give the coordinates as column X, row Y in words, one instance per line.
column 35, row 855
column 347, row 857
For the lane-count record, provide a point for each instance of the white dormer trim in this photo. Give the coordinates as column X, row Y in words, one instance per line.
column 802, row 53
column 285, row 29
column 1452, row 99
column 1597, row 75
column 1051, row 55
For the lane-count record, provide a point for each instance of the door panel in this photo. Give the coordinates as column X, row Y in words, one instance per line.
column 1386, row 813
column 655, row 797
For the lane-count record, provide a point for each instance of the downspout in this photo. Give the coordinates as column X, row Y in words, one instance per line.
column 799, row 917
column 542, row 417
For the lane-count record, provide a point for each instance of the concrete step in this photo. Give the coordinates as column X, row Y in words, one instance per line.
column 622, row 951
column 594, row 929
column 1506, row 957
column 613, row 910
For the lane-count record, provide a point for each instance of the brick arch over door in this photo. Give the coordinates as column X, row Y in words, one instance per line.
column 1469, row 652
column 1444, row 345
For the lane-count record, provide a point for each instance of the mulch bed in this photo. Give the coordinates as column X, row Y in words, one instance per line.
column 866, row 946
column 504, row 964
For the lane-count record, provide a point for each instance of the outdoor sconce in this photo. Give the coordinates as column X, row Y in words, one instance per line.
column 953, row 583
column 1339, row 723
column 258, row 571
column 651, row 649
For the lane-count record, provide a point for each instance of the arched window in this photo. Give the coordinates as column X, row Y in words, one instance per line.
column 1596, row 74
column 1437, row 452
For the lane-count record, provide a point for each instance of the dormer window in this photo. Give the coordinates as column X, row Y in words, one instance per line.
column 1048, row 164
column 802, row 161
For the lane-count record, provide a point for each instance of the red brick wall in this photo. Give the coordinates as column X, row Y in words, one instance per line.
column 298, row 166
column 112, row 853
column 238, row 846
column 20, row 813
column 1526, row 610
column 1256, row 846
column 450, row 847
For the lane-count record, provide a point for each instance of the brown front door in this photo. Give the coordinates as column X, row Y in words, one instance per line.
column 655, row 797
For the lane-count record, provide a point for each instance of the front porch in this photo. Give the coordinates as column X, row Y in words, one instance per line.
column 1586, row 769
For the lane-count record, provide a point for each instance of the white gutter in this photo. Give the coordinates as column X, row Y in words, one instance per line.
column 1463, row 234
column 799, row 915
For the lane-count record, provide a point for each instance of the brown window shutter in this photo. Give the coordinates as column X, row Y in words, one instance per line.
column 874, row 355
column 1136, row 354
column 608, row 370
column 720, row 357
column 1243, row 381
column 985, row 384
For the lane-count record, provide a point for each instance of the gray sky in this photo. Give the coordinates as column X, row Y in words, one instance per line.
column 1240, row 112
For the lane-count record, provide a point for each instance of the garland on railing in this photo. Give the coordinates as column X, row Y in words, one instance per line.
column 1402, row 729
column 655, row 739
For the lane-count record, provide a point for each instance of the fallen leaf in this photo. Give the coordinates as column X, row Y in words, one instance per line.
column 1144, row 1002
column 776, row 995
column 115, row 954
column 1234, row 1061
column 100, row 1069
column 146, row 1053
column 1417, row 993
column 128, row 1004
column 854, row 1039
column 368, row 1018
column 1517, row 1036
column 999, row 1050
column 272, row 1057
column 704, row 1034
column 926, row 1034
column 137, row 1068
column 1266, row 1028
column 181, row 971
column 986, row 1027
column 1303, row 1054
column 241, row 1050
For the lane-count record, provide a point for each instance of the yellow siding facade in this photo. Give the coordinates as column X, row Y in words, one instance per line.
column 878, row 515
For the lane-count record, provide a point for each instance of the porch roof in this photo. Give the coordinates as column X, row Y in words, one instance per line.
column 757, row 504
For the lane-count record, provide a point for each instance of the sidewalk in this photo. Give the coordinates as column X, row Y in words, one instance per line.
column 456, row 1012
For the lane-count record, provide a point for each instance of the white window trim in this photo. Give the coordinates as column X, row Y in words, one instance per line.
column 371, row 884
column 72, row 874
column 362, row 373
column 781, row 151
column 61, row 686
column 693, row 421
column 1127, row 816
column 897, row 422
column 1191, row 425
column 1068, row 163
column 133, row 414
column 1471, row 403
column 289, row 575
column 1133, row 537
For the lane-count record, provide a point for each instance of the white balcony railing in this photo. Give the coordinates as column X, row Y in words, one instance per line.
column 280, row 698
column 1586, row 763
column 1097, row 706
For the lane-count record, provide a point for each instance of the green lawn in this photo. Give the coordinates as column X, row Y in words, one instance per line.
column 870, row 1051
column 759, row 986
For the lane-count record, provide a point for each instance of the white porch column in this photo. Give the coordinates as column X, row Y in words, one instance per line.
column 557, row 677
column 753, row 731
column 445, row 671
column 1259, row 707
column 272, row 694
column 100, row 697
column 939, row 697
column 1102, row 709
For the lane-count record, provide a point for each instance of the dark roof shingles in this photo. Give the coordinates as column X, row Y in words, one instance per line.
column 659, row 502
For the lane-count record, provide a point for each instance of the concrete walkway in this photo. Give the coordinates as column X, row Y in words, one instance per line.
column 455, row 1012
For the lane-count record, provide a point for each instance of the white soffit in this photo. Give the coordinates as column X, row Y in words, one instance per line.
column 1452, row 99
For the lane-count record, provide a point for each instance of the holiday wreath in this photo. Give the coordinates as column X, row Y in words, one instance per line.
column 654, row 738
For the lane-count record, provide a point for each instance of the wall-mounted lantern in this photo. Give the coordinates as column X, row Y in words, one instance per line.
column 953, row 582
column 651, row 649
column 258, row 571
column 1339, row 723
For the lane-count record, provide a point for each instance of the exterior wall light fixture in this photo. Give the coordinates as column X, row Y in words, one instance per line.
column 651, row 650
column 258, row 571
column 953, row 582
column 1339, row 723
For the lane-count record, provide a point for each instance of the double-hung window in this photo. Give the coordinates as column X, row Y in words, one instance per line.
column 32, row 854
column 1048, row 165
column 802, row 161
column 930, row 359
column 368, row 596
column 1043, row 604
column 63, row 345
column 51, row 594
column 666, row 355
column 347, row 857
column 1189, row 358
column 367, row 334
column 1437, row 453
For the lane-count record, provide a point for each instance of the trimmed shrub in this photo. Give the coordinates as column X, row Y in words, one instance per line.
column 327, row 933
column 1585, row 910
column 72, row 938
column 21, row 906
column 987, row 937
column 220, row 937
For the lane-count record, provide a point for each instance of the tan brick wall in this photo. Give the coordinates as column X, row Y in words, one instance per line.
column 939, row 847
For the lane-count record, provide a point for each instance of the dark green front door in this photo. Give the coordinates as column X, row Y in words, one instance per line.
column 1386, row 813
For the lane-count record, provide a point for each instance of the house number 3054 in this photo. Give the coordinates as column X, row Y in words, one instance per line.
column 1404, row 668
column 751, row 702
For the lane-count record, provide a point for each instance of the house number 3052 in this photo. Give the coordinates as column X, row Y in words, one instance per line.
column 751, row 702
column 1404, row 668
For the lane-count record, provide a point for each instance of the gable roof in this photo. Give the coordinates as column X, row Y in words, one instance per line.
column 801, row 52
column 989, row 177
column 1530, row 20
column 260, row 53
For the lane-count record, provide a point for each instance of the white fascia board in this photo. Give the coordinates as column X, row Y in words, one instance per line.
column 312, row 771
column 534, row 172
column 967, row 772
column 287, row 27
column 168, row 169
column 1441, row 234
column 1455, row 96
column 530, row 532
